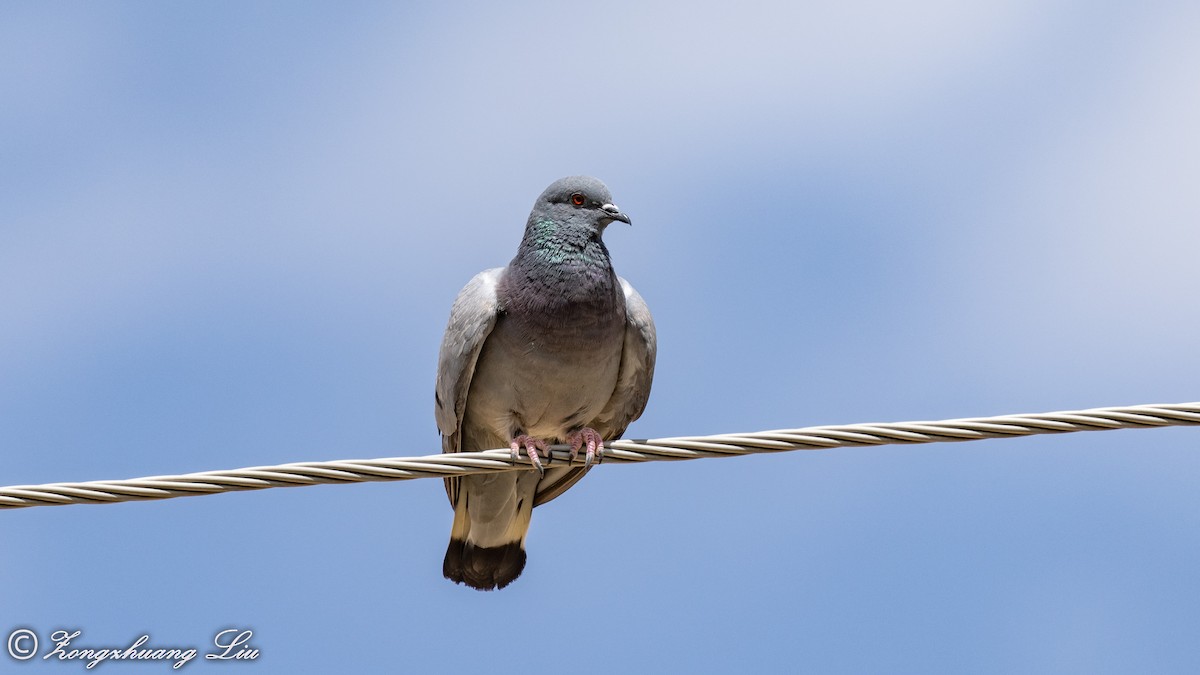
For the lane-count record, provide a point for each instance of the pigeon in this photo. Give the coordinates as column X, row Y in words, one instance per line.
column 554, row 348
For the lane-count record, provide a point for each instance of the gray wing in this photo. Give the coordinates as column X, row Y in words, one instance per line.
column 629, row 397
column 471, row 320
column 637, row 366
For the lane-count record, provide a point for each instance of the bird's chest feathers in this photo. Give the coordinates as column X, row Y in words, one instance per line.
column 561, row 289
column 551, row 362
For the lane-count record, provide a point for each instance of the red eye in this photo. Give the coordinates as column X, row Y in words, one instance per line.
column 577, row 199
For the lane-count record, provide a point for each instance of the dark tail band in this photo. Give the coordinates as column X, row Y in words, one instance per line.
column 484, row 569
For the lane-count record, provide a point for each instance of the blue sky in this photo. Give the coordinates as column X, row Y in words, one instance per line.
column 230, row 236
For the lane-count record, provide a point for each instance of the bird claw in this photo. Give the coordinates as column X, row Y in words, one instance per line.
column 531, row 445
column 595, row 446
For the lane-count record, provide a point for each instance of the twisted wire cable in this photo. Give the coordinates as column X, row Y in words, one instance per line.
column 620, row 452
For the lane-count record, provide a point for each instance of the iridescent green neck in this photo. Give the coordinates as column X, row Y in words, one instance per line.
column 550, row 242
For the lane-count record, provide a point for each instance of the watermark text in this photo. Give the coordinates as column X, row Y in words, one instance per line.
column 230, row 644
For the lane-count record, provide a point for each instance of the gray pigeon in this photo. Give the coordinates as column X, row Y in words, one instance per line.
column 554, row 348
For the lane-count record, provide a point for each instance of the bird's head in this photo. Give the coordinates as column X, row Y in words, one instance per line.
column 580, row 201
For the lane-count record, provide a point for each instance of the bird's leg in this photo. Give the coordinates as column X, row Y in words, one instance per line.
column 531, row 445
column 595, row 445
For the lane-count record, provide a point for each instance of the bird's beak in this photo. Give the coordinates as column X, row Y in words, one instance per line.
column 614, row 213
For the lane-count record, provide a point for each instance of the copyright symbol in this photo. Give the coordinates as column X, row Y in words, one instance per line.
column 22, row 644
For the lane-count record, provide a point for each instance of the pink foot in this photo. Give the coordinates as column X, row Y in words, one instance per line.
column 595, row 445
column 531, row 445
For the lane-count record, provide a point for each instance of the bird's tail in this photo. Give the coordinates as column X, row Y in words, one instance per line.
column 491, row 554
column 484, row 569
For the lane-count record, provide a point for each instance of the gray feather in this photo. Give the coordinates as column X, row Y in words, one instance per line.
column 471, row 320
column 629, row 397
